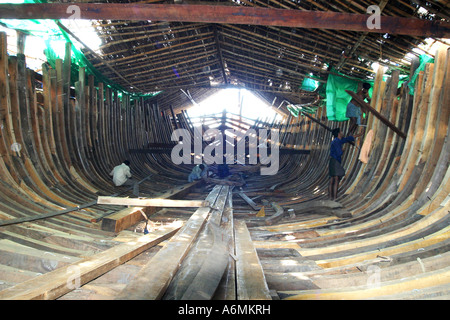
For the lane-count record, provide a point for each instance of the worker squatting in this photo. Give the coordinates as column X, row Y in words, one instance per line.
column 215, row 153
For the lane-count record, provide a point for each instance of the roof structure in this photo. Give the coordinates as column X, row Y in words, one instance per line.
column 157, row 54
column 270, row 60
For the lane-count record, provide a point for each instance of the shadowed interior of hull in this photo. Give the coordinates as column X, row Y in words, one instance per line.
column 67, row 233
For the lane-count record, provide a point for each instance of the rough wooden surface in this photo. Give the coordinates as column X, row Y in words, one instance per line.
column 250, row 280
column 152, row 281
column 54, row 284
column 389, row 224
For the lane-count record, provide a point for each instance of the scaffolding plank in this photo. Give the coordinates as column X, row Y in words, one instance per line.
column 208, row 272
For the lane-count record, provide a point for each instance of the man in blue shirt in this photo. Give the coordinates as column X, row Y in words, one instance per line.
column 200, row 171
column 336, row 171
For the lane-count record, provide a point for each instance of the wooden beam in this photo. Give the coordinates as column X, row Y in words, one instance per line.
column 383, row 119
column 130, row 216
column 104, row 62
column 249, row 201
column 227, row 286
column 143, row 202
column 383, row 290
column 361, row 39
column 219, row 53
column 225, row 14
column 317, row 121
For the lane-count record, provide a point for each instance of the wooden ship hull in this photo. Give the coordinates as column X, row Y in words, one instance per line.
column 386, row 237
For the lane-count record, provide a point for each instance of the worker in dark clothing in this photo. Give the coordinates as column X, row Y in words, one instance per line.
column 223, row 171
column 336, row 171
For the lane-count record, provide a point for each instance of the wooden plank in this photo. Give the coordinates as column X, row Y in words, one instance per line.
column 56, row 283
column 404, row 232
column 123, row 219
column 228, row 15
column 438, row 237
column 126, row 218
column 339, row 278
column 378, row 87
column 227, row 287
column 205, row 283
column 208, row 272
column 152, row 281
column 154, row 202
column 250, row 279
column 5, row 99
column 248, row 201
column 437, row 120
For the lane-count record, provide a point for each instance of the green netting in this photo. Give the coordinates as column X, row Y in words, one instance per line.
column 55, row 39
column 309, row 84
column 333, row 91
column 337, row 98
column 423, row 60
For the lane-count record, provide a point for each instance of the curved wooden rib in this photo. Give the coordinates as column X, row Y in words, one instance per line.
column 388, row 236
column 400, row 217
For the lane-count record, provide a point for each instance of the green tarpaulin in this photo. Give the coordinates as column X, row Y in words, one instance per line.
column 424, row 59
column 337, row 98
column 53, row 36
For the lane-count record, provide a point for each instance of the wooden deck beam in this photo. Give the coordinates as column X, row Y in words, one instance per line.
column 146, row 202
column 225, row 14
column 130, row 216
column 200, row 275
